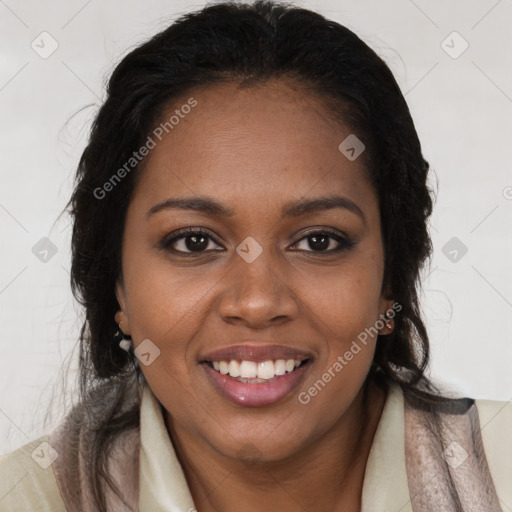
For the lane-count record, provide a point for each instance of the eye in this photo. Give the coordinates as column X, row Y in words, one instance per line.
column 188, row 241
column 321, row 240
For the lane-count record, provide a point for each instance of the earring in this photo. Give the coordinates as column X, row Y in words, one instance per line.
column 390, row 323
column 124, row 343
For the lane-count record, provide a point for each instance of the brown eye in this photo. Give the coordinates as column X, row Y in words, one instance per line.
column 188, row 241
column 322, row 241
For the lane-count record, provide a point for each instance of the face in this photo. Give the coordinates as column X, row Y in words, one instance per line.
column 262, row 278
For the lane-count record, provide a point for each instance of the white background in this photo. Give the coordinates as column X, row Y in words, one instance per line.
column 462, row 108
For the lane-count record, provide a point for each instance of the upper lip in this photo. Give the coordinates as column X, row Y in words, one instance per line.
column 255, row 352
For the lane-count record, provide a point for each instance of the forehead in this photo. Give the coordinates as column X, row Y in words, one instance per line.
column 251, row 146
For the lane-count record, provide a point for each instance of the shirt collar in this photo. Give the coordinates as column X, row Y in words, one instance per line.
column 385, row 484
column 162, row 482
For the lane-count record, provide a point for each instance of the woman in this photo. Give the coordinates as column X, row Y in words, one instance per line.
column 250, row 221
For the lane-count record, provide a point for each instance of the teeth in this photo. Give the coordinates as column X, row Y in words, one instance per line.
column 265, row 370
column 248, row 370
column 234, row 369
column 280, row 367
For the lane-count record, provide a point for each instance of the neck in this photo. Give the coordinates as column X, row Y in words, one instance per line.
column 326, row 475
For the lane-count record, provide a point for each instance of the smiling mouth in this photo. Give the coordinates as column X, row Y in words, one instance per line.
column 252, row 372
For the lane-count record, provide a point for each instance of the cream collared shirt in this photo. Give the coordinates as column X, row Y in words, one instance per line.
column 26, row 486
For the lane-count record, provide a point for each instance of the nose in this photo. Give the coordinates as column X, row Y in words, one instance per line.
column 257, row 294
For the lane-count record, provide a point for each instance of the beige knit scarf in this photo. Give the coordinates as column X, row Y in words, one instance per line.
column 447, row 469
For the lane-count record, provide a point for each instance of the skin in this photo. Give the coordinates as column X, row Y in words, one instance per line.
column 254, row 150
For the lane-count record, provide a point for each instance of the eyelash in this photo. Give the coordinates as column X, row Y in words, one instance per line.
column 166, row 243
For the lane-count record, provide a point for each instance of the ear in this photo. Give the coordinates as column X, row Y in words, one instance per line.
column 385, row 305
column 386, row 291
column 120, row 294
column 386, row 299
column 122, row 317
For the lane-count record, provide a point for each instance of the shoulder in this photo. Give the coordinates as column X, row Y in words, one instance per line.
column 496, row 431
column 27, row 480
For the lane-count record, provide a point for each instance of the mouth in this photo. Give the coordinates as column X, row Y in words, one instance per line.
column 255, row 375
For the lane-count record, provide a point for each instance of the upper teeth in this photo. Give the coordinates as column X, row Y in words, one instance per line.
column 252, row 370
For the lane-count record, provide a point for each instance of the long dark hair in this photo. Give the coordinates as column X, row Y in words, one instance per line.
column 246, row 44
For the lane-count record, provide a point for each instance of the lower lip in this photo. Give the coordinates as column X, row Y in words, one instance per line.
column 256, row 394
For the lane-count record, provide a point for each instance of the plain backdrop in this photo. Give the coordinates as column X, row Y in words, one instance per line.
column 453, row 61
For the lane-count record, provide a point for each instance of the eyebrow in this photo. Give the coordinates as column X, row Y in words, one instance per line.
column 295, row 208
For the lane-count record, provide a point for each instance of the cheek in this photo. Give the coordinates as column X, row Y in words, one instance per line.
column 162, row 297
column 167, row 311
column 168, row 305
column 345, row 309
column 347, row 300
column 347, row 322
